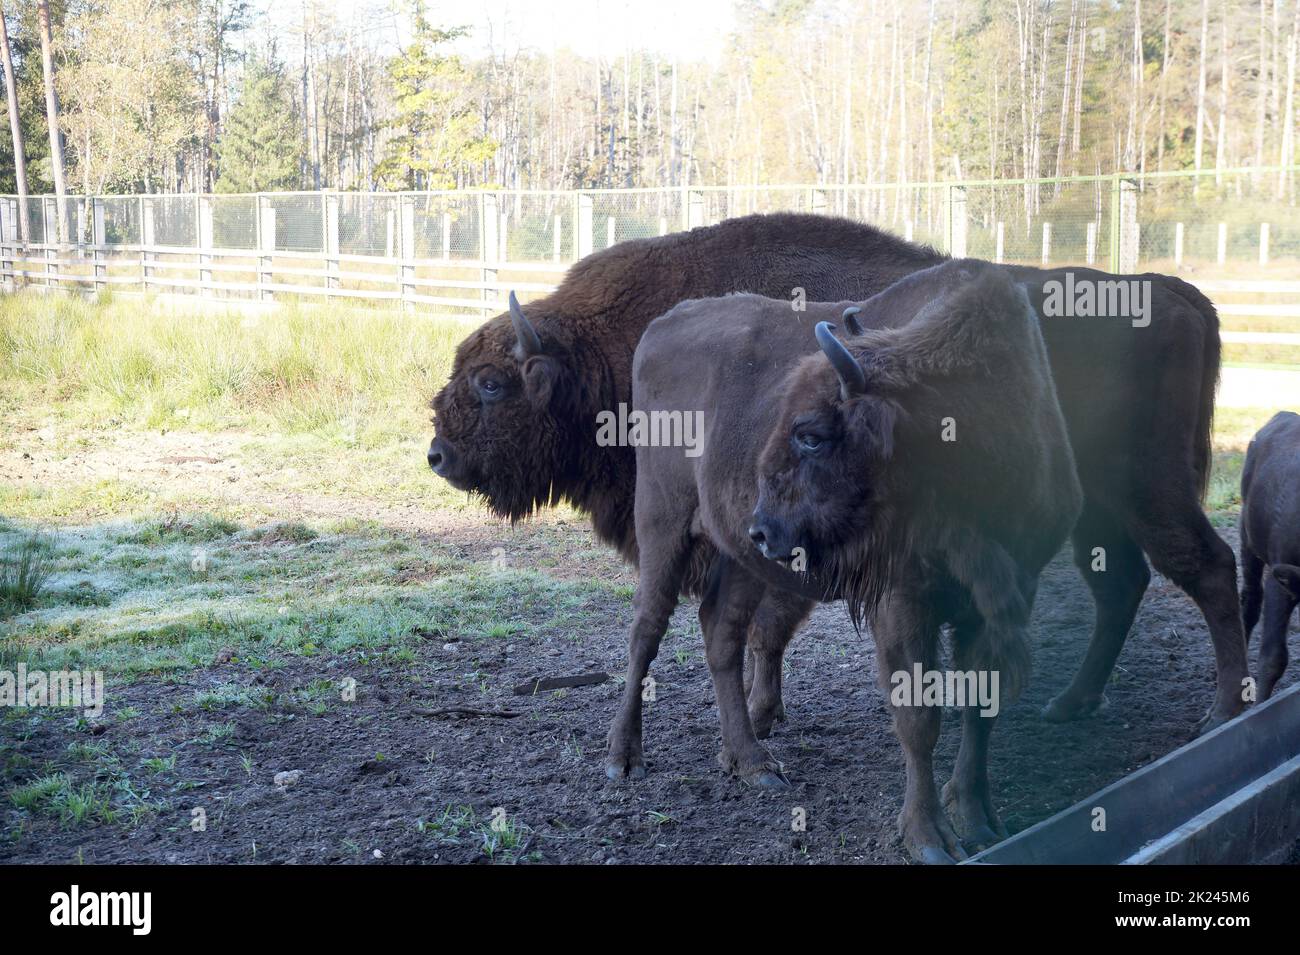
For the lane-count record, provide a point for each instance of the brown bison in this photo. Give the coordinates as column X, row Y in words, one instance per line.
column 925, row 475
column 516, row 423
column 1270, row 539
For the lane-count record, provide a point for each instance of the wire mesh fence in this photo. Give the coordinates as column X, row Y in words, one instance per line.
column 463, row 249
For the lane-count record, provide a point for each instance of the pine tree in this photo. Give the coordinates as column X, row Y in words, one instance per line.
column 260, row 148
column 437, row 127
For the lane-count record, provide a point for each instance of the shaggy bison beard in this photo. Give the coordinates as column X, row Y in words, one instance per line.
column 509, row 465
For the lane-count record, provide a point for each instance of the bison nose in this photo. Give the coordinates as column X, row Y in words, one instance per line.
column 757, row 535
column 440, row 457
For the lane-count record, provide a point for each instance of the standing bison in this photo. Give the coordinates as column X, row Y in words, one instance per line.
column 516, row 423
column 850, row 472
column 1270, row 540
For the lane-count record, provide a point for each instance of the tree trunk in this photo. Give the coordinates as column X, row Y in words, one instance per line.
column 15, row 129
column 1221, row 147
column 1164, row 74
column 1200, row 87
column 52, row 117
column 1288, row 112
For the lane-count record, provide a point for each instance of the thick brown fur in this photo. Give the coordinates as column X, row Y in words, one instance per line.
column 889, row 509
column 1138, row 404
column 972, row 361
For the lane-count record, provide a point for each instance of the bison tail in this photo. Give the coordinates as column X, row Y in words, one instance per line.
column 1209, row 384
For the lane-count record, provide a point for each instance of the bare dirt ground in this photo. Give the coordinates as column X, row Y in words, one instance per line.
column 379, row 782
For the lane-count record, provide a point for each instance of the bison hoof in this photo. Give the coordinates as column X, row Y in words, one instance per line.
column 980, row 838
column 624, row 766
column 1211, row 721
column 933, row 855
column 617, row 771
column 767, row 779
column 1063, row 708
column 929, row 838
column 973, row 818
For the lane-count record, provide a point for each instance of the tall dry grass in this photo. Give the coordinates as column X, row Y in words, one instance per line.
column 363, row 373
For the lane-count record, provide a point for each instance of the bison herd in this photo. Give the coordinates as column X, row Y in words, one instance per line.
column 879, row 424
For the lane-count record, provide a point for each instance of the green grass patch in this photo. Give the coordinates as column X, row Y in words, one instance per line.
column 24, row 572
column 360, row 377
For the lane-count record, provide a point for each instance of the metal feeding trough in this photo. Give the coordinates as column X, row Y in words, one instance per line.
column 1231, row 796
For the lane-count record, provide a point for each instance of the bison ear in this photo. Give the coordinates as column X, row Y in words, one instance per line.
column 541, row 374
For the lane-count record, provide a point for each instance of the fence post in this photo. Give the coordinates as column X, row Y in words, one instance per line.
column 908, row 226
column 816, row 201
column 1090, row 243
column 663, row 225
column 954, row 222
column 1178, row 245
column 557, row 224
column 584, row 213
column 1123, row 225
column 1263, row 243
column 503, row 238
column 265, row 248
column 1000, row 245
column 98, row 240
column 51, row 247
column 146, row 241
column 1047, row 242
column 6, row 264
column 406, row 246
column 333, row 277
column 203, row 215
column 81, row 226
column 696, row 212
column 609, row 231
column 490, row 251
column 1129, row 244
column 1223, row 242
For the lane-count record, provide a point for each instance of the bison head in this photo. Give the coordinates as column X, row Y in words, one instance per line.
column 823, row 503
column 499, row 430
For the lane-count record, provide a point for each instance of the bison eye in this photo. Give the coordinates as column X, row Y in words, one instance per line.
column 489, row 388
column 809, row 442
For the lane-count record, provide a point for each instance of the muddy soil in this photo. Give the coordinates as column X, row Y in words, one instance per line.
column 380, row 783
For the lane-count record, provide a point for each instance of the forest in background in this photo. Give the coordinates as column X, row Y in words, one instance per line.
column 209, row 95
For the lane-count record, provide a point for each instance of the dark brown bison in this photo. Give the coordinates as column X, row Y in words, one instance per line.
column 516, row 423
column 1270, row 540
column 924, row 474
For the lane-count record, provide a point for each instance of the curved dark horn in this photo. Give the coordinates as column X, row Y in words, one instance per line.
column 529, row 343
column 851, row 322
column 853, row 380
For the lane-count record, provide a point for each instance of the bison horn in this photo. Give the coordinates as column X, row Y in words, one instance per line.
column 853, row 380
column 529, row 343
column 851, row 322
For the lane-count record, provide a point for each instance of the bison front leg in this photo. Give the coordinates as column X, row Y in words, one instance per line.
column 1278, row 607
column 728, row 606
column 967, row 797
column 907, row 633
column 775, row 621
column 656, row 599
